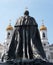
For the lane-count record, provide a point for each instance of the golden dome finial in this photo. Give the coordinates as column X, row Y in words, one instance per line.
column 9, row 26
column 42, row 22
column 10, row 21
column 43, row 27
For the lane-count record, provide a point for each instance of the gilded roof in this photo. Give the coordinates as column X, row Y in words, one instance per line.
column 9, row 27
column 43, row 27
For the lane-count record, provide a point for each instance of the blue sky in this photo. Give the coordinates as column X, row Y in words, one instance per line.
column 39, row 9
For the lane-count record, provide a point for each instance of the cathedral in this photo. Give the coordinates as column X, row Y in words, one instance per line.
column 47, row 47
column 44, row 39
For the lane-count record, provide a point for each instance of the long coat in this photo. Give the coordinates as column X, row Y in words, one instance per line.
column 26, row 30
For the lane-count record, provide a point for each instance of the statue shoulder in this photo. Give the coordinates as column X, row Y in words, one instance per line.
column 19, row 21
column 34, row 21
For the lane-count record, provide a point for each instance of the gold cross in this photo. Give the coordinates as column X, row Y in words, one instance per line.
column 10, row 21
column 26, row 8
column 42, row 22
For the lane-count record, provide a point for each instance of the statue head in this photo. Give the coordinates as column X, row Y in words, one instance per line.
column 26, row 13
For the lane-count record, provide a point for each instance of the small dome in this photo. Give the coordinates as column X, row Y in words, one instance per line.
column 43, row 28
column 9, row 27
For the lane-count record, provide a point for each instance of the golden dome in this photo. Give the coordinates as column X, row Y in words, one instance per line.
column 43, row 28
column 9, row 27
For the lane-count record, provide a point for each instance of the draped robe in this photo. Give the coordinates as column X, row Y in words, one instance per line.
column 25, row 35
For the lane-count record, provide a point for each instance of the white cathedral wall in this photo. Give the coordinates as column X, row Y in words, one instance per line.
column 41, row 34
column 11, row 33
column 45, row 44
column 51, row 53
column 8, row 39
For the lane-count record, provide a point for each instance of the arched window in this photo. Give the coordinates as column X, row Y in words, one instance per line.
column 44, row 44
column 43, row 34
column 7, row 44
column 8, row 34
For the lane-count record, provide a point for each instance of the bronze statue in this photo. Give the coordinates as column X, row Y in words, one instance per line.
column 25, row 35
column 25, row 40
